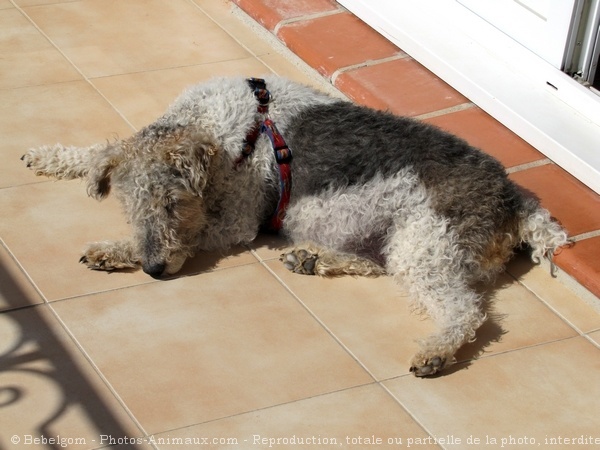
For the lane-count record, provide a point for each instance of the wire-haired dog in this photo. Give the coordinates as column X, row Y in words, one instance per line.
column 372, row 193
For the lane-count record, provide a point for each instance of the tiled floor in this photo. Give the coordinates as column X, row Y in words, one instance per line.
column 238, row 349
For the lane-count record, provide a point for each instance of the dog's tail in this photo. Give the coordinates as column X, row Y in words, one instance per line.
column 542, row 234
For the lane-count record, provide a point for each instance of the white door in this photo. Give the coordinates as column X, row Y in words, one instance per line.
column 543, row 26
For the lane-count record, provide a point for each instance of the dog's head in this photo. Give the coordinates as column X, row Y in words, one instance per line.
column 160, row 176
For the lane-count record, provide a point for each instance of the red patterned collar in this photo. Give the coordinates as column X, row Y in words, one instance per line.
column 283, row 154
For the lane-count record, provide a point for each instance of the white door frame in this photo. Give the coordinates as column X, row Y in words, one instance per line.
column 543, row 26
column 544, row 106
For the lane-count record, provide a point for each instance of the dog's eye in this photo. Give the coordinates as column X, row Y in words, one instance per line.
column 176, row 173
column 170, row 206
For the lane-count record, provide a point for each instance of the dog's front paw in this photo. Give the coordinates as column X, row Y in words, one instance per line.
column 426, row 367
column 108, row 256
column 33, row 159
column 300, row 261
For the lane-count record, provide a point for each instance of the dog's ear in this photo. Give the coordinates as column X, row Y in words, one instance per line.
column 103, row 164
column 192, row 159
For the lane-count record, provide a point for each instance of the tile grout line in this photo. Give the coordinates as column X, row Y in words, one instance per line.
column 266, row 408
column 548, row 305
column 319, row 321
column 584, row 236
column 444, row 111
column 248, row 20
column 304, row 18
column 405, row 408
column 368, row 63
column 529, row 165
column 574, row 285
column 144, row 283
column 235, row 8
column 97, row 370
column 592, row 341
column 25, row 274
column 501, row 352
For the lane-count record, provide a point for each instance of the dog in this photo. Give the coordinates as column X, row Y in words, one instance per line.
column 357, row 191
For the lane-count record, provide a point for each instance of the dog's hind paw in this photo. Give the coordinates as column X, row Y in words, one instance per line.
column 300, row 261
column 428, row 367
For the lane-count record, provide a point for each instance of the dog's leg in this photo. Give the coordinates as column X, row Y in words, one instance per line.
column 423, row 255
column 109, row 255
column 457, row 312
column 62, row 162
column 312, row 260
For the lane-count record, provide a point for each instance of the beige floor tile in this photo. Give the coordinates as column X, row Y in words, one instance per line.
column 211, row 261
column 556, row 294
column 110, row 37
column 143, row 97
column 372, row 318
column 199, row 348
column 49, row 388
column 16, row 290
column 362, row 417
column 27, row 56
column 548, row 391
column 6, row 4
column 269, row 246
column 237, row 24
column 48, row 235
column 72, row 113
column 369, row 315
column 517, row 319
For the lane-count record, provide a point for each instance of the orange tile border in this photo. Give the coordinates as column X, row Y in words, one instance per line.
column 582, row 262
column 398, row 86
column 270, row 13
column 572, row 203
column 335, row 41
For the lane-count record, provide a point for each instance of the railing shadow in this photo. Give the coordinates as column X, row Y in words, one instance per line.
column 35, row 352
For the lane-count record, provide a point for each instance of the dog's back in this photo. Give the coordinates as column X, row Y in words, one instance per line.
column 342, row 145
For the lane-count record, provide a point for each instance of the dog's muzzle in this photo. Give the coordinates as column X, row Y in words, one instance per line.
column 155, row 270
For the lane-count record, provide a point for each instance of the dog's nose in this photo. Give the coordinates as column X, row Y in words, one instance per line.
column 154, row 270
